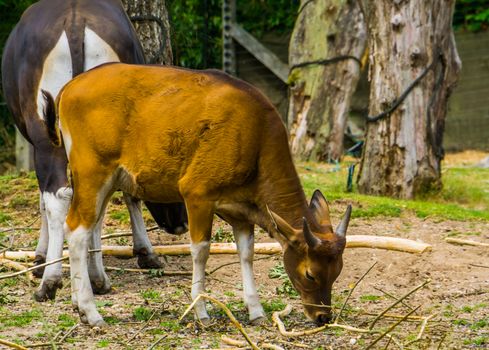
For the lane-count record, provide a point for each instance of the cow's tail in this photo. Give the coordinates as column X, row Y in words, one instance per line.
column 51, row 119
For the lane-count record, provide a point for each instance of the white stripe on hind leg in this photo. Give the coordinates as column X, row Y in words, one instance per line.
column 81, row 290
column 200, row 254
column 244, row 237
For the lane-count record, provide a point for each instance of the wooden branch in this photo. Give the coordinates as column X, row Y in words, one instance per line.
column 356, row 241
column 283, row 331
column 421, row 330
column 228, row 313
column 388, row 243
column 351, row 291
column 17, row 267
column 32, row 268
column 240, row 344
column 390, row 329
column 161, row 272
column 397, row 302
column 12, row 345
column 465, row 242
column 477, row 265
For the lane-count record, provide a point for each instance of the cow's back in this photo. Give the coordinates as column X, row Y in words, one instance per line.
column 56, row 40
column 165, row 121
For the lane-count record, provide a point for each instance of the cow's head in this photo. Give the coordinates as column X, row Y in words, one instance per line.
column 313, row 257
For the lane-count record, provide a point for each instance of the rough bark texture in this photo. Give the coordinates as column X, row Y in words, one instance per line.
column 321, row 94
column 403, row 151
column 150, row 18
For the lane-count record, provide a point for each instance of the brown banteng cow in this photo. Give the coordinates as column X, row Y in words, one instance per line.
column 205, row 138
column 54, row 41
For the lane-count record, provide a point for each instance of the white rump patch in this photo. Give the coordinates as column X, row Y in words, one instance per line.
column 97, row 51
column 56, row 72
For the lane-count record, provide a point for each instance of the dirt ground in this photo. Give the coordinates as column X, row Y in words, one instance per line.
column 144, row 308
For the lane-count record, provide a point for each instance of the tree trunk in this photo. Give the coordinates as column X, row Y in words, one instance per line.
column 150, row 18
column 403, row 149
column 321, row 93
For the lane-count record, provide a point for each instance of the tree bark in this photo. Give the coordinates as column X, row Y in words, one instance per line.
column 321, row 93
column 150, row 19
column 403, row 150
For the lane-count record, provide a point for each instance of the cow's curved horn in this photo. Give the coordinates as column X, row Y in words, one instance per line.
column 311, row 240
column 343, row 226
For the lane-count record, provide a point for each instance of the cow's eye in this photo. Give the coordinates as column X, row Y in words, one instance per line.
column 309, row 277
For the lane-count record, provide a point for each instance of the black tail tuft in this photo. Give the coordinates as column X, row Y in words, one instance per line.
column 50, row 119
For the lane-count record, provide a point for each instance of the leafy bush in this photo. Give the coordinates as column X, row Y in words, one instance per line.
column 472, row 15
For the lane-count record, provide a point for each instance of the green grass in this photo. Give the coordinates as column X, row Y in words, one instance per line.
column 465, row 195
column 120, row 215
column 20, row 320
column 150, row 294
column 66, row 321
column 367, row 298
column 273, row 305
column 4, row 217
column 103, row 343
column 142, row 313
column 171, row 325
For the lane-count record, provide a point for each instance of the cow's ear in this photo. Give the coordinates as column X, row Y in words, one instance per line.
column 320, row 209
column 287, row 234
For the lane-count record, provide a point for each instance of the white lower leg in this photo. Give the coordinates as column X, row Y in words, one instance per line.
column 200, row 254
column 245, row 244
column 42, row 245
column 82, row 295
column 56, row 206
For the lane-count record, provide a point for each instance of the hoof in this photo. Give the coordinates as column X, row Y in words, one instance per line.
column 38, row 260
column 95, row 321
column 206, row 321
column 47, row 291
column 259, row 321
column 149, row 261
column 101, row 286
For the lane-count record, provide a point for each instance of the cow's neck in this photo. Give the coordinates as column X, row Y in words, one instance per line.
column 280, row 187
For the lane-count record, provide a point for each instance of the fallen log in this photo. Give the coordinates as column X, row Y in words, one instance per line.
column 353, row 241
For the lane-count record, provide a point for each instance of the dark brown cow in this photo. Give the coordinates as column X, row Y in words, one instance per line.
column 54, row 41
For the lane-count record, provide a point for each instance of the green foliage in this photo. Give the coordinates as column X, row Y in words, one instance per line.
column 222, row 236
column 273, row 305
column 171, row 325
column 278, row 271
column 367, row 298
column 4, row 217
column 156, row 273
column 197, row 26
column 142, row 313
column 103, row 343
column 120, row 215
column 150, row 294
column 260, row 17
column 66, row 321
column 19, row 320
column 196, row 33
column 472, row 15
